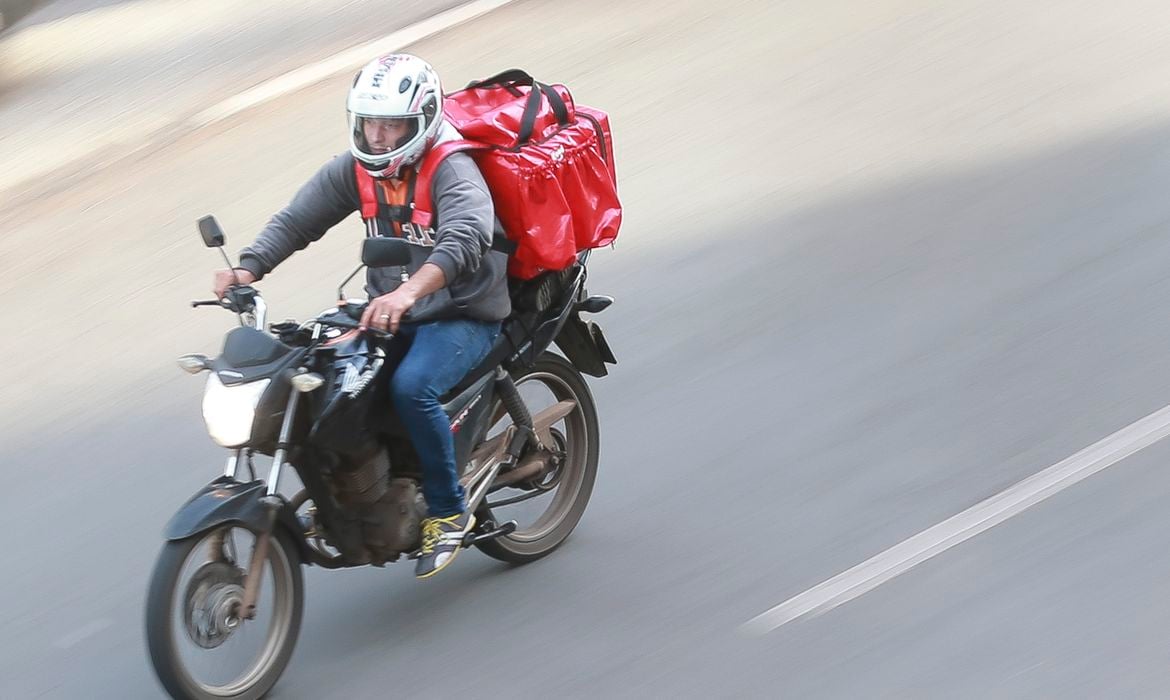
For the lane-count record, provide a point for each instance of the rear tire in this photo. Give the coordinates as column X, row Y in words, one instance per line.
column 582, row 438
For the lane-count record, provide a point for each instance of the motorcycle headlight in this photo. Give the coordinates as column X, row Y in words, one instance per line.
column 228, row 411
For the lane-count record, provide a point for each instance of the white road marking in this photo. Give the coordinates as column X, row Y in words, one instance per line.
column 350, row 59
column 32, row 170
column 83, row 633
column 984, row 515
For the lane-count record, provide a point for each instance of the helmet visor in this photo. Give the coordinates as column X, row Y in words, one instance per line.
column 383, row 136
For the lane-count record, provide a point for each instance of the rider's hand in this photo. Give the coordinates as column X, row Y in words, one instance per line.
column 384, row 312
column 226, row 278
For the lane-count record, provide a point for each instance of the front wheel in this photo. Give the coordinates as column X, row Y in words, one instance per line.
column 546, row 512
column 199, row 645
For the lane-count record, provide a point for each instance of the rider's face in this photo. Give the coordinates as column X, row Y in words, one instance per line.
column 382, row 135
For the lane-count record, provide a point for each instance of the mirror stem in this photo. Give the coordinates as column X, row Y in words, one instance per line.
column 341, row 287
column 231, row 267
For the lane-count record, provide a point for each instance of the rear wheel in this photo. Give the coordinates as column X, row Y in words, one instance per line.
column 199, row 645
column 547, row 510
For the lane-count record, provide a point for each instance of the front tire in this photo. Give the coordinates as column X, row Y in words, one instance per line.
column 580, row 437
column 179, row 612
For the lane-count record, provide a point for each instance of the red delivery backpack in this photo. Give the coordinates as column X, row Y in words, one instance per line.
column 547, row 161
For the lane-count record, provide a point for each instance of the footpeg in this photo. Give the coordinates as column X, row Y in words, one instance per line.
column 482, row 536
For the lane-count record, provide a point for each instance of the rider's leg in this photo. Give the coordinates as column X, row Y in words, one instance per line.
column 441, row 353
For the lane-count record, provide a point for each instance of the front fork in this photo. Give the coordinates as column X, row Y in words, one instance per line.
column 272, row 502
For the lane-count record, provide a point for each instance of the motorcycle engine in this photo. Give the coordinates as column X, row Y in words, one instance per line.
column 365, row 484
column 391, row 525
column 390, row 510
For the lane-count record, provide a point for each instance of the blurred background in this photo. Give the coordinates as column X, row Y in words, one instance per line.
column 881, row 260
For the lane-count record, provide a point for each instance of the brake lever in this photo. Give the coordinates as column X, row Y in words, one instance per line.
column 237, row 298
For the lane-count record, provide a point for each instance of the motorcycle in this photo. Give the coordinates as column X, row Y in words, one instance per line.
column 313, row 397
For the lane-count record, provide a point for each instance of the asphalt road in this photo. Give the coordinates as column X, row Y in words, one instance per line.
column 881, row 261
column 84, row 81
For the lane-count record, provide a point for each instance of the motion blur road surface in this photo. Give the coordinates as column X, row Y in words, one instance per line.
column 102, row 76
column 881, row 261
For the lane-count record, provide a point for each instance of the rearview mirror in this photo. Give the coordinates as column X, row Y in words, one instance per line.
column 212, row 234
column 385, row 252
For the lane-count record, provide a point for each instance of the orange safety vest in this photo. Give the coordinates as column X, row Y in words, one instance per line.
column 403, row 207
column 388, row 207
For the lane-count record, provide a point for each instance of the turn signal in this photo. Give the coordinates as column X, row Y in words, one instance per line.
column 194, row 364
column 307, row 382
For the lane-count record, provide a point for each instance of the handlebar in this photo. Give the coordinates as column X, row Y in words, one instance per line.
column 354, row 311
column 241, row 299
column 245, row 299
column 353, row 325
column 238, row 298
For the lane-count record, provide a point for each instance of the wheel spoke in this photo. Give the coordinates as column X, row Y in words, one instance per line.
column 543, row 523
column 209, row 650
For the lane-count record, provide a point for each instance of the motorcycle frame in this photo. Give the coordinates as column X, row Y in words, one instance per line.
column 226, row 500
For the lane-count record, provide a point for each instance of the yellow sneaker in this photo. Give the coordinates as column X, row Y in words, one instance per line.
column 442, row 538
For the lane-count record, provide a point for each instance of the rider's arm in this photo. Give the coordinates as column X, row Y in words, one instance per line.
column 428, row 279
column 323, row 201
column 463, row 208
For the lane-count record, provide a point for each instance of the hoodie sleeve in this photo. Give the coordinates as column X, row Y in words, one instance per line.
column 463, row 209
column 321, row 203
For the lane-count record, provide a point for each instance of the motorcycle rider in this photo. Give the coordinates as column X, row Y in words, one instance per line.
column 450, row 308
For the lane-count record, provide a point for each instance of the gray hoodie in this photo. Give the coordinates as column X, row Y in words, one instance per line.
column 459, row 243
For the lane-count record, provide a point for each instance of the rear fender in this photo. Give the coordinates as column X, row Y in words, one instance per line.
column 585, row 346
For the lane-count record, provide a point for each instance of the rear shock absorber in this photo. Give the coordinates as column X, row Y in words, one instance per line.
column 511, row 398
column 518, row 411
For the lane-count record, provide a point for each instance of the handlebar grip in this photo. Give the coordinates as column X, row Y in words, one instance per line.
column 237, row 298
column 353, row 325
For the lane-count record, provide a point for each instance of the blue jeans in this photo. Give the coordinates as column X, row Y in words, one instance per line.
column 440, row 353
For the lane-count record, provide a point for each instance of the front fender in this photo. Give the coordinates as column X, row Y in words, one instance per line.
column 224, row 501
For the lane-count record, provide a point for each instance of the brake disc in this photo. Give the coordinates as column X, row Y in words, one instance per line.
column 212, row 603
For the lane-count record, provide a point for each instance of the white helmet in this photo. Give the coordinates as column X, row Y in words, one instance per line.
column 398, row 89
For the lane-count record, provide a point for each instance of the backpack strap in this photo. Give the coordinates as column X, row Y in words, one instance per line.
column 423, row 214
column 423, row 206
column 422, row 211
column 396, row 214
column 376, row 210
